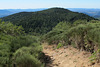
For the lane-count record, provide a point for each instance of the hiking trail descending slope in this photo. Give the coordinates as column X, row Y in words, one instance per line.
column 67, row 57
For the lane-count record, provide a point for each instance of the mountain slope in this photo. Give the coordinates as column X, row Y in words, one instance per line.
column 44, row 21
column 5, row 13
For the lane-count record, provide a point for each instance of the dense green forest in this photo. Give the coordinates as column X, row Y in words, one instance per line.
column 43, row 21
column 18, row 49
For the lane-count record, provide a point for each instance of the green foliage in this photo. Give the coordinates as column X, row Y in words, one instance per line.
column 59, row 45
column 27, row 57
column 57, row 34
column 65, row 32
column 77, row 22
column 43, row 21
column 93, row 57
column 9, row 28
column 17, row 48
column 83, row 35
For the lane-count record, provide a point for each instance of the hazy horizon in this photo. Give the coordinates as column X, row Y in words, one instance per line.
column 48, row 8
column 33, row 4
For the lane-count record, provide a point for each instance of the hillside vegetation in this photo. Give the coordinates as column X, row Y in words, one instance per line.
column 81, row 34
column 57, row 26
column 43, row 21
column 18, row 49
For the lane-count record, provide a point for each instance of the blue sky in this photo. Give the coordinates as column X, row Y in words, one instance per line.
column 26, row 4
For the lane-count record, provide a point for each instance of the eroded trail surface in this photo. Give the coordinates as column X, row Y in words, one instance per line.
column 67, row 57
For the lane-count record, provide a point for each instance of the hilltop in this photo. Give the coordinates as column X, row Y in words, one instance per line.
column 43, row 21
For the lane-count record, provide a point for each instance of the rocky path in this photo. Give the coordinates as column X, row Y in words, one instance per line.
column 67, row 57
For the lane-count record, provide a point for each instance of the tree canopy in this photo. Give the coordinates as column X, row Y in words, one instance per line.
column 43, row 21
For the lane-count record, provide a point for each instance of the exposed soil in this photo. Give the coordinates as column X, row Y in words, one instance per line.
column 67, row 57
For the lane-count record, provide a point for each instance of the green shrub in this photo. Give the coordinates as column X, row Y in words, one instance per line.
column 18, row 48
column 93, row 57
column 27, row 57
column 59, row 45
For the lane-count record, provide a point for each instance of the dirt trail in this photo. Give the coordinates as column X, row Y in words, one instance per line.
column 67, row 57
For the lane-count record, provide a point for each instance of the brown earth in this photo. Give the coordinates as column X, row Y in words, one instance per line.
column 67, row 57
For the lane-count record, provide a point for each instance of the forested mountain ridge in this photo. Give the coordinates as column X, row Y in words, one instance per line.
column 44, row 21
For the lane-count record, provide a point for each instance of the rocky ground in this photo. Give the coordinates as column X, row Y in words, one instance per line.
column 67, row 57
